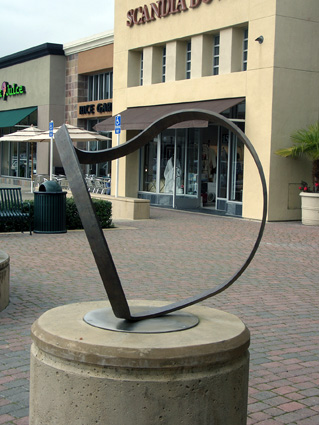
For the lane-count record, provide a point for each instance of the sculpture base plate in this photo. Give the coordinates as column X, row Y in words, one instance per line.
column 104, row 318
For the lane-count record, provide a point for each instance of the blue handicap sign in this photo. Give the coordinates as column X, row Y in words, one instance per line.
column 51, row 124
column 118, row 124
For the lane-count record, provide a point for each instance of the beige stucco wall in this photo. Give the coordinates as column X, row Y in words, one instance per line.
column 281, row 84
column 98, row 59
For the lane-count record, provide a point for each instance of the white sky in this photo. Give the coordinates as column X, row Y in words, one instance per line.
column 28, row 23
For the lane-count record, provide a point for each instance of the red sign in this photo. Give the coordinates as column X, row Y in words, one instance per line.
column 160, row 9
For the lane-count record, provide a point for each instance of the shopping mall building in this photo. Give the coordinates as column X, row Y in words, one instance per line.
column 254, row 61
column 70, row 83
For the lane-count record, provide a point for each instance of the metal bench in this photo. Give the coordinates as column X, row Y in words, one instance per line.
column 11, row 207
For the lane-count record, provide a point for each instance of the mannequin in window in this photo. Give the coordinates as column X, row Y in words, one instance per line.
column 169, row 175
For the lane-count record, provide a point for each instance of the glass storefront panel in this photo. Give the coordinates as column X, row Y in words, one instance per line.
column 5, row 158
column 104, row 169
column 97, row 170
column 167, row 161
column 171, row 157
column 23, row 160
column 223, row 163
column 149, row 169
column 192, row 163
column 16, row 159
column 180, row 152
column 236, row 181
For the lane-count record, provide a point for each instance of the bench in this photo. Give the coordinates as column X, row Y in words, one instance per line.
column 11, row 207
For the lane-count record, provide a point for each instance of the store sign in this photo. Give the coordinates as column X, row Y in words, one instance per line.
column 160, row 9
column 8, row 90
column 92, row 108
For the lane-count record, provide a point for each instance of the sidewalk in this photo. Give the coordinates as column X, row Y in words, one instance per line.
column 173, row 255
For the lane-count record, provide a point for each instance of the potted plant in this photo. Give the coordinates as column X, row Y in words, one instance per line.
column 306, row 143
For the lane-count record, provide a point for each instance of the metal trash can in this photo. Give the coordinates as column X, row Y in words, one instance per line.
column 50, row 208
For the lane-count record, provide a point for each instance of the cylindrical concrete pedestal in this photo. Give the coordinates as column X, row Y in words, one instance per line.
column 4, row 280
column 85, row 375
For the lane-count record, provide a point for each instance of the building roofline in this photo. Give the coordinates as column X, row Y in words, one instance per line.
column 88, row 43
column 36, row 52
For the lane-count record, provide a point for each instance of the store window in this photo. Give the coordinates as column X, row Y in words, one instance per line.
column 141, row 69
column 236, row 170
column 100, row 86
column 164, row 64
column 216, row 55
column 16, row 157
column 186, row 168
column 149, row 172
column 171, row 157
column 223, row 163
column 245, row 49
column 100, row 169
column 188, row 59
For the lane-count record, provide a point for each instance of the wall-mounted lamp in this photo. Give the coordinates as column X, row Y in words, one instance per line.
column 260, row 39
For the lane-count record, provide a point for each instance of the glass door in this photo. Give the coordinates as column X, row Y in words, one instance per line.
column 223, row 150
column 236, row 174
column 230, row 173
column 187, row 168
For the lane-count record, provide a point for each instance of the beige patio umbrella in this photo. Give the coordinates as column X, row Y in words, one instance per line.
column 77, row 135
column 25, row 135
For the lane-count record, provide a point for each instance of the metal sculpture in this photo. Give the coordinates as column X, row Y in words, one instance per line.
column 71, row 159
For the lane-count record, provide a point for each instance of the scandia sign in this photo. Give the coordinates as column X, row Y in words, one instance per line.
column 160, row 9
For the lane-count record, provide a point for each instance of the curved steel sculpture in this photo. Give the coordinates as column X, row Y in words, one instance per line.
column 71, row 157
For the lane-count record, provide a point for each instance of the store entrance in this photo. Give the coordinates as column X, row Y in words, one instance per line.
column 222, row 171
column 170, row 169
column 209, row 153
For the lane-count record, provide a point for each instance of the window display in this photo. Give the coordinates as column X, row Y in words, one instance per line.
column 179, row 162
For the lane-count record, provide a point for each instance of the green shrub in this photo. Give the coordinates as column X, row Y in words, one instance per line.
column 102, row 208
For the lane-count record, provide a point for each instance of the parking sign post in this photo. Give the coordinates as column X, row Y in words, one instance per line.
column 51, row 125
column 118, row 132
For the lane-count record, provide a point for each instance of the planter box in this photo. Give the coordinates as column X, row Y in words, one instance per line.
column 310, row 209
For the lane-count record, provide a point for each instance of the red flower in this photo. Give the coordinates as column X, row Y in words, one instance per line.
column 305, row 188
column 316, row 184
column 300, row 187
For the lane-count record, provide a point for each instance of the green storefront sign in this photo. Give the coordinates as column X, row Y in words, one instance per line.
column 11, row 90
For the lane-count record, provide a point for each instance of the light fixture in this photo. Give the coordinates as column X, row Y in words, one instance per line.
column 260, row 39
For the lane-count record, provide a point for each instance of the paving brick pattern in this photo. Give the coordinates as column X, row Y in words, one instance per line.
column 174, row 255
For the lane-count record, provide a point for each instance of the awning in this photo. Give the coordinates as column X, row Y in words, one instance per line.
column 141, row 117
column 11, row 118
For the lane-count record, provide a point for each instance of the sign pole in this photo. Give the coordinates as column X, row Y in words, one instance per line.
column 51, row 124
column 118, row 132
column 32, row 176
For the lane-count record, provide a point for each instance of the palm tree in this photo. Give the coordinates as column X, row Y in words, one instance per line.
column 305, row 142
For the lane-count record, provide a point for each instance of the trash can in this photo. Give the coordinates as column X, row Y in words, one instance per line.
column 50, row 208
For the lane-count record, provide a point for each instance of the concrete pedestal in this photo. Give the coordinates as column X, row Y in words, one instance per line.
column 85, row 375
column 4, row 280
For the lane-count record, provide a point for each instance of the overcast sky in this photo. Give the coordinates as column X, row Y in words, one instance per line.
column 26, row 24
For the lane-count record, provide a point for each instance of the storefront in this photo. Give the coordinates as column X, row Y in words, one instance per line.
column 204, row 160
column 32, row 93
column 192, row 167
column 71, row 83
column 89, row 91
column 195, row 53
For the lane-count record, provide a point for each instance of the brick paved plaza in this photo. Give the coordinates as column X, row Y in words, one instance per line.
column 173, row 255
